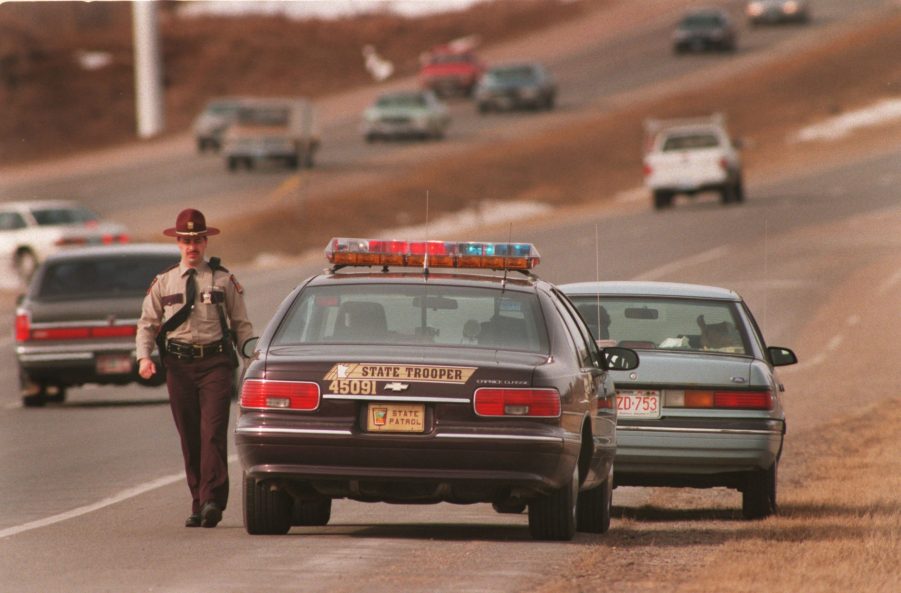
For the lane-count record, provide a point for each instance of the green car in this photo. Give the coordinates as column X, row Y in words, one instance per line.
column 406, row 114
column 705, row 408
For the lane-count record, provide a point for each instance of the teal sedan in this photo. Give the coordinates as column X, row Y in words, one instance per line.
column 705, row 408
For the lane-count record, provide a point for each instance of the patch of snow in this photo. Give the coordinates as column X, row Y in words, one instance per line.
column 93, row 60
column 840, row 126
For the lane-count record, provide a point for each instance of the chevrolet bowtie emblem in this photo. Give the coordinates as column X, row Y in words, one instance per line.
column 395, row 386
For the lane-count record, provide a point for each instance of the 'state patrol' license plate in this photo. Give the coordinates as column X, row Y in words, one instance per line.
column 395, row 418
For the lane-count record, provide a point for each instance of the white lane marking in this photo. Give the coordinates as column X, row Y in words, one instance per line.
column 835, row 342
column 668, row 269
column 90, row 508
column 852, row 320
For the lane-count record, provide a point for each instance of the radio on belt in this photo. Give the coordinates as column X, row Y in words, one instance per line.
column 343, row 251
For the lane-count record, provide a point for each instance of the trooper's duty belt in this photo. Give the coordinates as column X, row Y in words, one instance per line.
column 185, row 351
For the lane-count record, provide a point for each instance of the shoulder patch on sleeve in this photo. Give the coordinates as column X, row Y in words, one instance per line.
column 152, row 283
column 237, row 284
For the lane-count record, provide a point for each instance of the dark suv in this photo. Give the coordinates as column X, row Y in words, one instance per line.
column 705, row 29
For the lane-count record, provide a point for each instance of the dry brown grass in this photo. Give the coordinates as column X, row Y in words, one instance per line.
column 838, row 530
column 840, row 526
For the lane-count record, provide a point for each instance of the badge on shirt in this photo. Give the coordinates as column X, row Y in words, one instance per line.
column 213, row 296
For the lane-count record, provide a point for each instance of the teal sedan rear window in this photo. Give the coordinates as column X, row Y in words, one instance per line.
column 667, row 324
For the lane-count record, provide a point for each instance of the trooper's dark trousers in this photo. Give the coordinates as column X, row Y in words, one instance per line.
column 200, row 396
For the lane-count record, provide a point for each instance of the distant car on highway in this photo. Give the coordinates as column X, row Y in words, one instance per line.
column 689, row 156
column 76, row 323
column 705, row 408
column 764, row 12
column 406, row 114
column 448, row 71
column 427, row 372
column 32, row 230
column 210, row 124
column 284, row 130
column 705, row 29
column 513, row 86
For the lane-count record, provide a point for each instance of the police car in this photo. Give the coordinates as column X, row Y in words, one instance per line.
column 426, row 372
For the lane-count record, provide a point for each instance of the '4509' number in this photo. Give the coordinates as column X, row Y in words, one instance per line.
column 352, row 387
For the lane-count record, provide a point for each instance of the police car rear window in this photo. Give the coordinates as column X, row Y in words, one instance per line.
column 415, row 315
column 101, row 277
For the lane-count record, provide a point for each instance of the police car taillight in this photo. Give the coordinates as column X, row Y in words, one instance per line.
column 262, row 394
column 343, row 251
column 532, row 403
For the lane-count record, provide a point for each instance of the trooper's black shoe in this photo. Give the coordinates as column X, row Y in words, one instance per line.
column 194, row 520
column 210, row 515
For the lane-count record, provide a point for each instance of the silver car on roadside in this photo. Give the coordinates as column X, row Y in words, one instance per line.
column 705, row 408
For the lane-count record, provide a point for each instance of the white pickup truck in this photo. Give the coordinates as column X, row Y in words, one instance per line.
column 690, row 156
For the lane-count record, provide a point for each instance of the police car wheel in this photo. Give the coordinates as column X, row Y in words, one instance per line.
column 267, row 510
column 553, row 516
column 594, row 507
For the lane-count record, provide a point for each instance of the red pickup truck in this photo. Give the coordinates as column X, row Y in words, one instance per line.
column 448, row 71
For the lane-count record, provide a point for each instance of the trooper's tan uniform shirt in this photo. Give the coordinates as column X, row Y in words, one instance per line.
column 167, row 295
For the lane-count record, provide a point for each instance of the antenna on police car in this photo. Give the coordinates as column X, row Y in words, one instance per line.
column 509, row 242
column 597, row 275
column 425, row 259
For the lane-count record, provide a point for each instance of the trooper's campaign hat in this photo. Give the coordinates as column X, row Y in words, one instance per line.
column 190, row 223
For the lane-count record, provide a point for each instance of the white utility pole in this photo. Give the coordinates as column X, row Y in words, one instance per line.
column 148, row 69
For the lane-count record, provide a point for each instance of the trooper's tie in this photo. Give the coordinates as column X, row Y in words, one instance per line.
column 190, row 294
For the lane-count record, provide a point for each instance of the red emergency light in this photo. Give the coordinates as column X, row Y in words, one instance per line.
column 343, row 251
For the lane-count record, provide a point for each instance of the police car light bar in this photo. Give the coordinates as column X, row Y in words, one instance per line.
column 342, row 251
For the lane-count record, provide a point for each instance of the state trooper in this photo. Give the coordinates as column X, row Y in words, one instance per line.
column 194, row 312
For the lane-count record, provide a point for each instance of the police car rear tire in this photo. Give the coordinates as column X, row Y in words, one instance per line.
column 553, row 516
column 594, row 507
column 267, row 510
